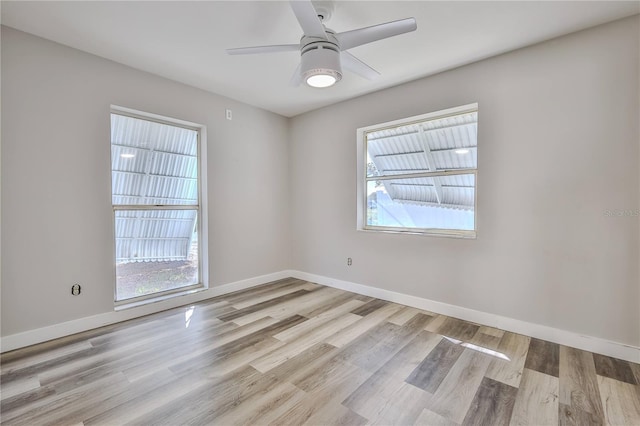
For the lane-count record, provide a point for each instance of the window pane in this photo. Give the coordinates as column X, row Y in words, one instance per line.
column 448, row 143
column 156, row 250
column 153, row 163
column 442, row 202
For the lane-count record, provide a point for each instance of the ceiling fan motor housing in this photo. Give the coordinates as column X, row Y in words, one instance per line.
column 320, row 57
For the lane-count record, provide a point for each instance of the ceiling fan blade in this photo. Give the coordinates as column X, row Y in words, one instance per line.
column 355, row 65
column 353, row 38
column 308, row 18
column 296, row 78
column 264, row 49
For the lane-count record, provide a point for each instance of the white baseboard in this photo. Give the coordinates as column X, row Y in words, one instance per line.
column 567, row 338
column 39, row 335
column 563, row 337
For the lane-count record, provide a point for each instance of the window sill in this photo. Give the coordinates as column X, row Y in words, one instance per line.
column 124, row 305
column 465, row 235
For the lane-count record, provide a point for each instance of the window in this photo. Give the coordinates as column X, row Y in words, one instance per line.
column 156, row 175
column 418, row 175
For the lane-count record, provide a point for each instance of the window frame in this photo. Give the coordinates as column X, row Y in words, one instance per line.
column 363, row 179
column 200, row 208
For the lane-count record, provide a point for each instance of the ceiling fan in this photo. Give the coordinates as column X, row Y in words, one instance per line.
column 323, row 52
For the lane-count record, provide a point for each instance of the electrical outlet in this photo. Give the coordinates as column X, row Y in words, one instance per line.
column 75, row 289
column 349, row 261
column 229, row 114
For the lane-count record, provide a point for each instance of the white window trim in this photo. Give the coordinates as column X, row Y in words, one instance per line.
column 203, row 217
column 361, row 192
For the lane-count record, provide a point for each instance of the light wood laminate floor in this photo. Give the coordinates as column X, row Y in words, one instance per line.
column 293, row 352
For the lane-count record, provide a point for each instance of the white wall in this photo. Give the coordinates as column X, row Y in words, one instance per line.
column 558, row 146
column 56, row 207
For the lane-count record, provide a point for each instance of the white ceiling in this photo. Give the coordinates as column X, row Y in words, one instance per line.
column 185, row 41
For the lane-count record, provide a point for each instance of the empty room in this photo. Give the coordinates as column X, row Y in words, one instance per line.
column 320, row 212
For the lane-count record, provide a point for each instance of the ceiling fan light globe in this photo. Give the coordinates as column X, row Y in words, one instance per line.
column 322, row 78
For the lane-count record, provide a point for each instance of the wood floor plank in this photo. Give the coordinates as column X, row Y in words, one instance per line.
column 61, row 410
column 375, row 393
column 238, row 313
column 316, row 301
column 335, row 414
column 484, row 341
column 332, row 379
column 132, row 391
column 337, row 299
column 210, row 358
column 509, row 371
column 370, row 307
column 226, row 364
column 252, row 300
column 537, row 400
column 46, row 348
column 435, row 324
column 620, row 401
column 159, row 390
column 79, row 379
column 263, row 385
column 363, row 298
column 433, row 369
column 294, row 306
column 255, row 292
column 143, row 350
column 202, row 317
column 18, row 387
column 282, row 354
column 372, row 395
column 578, row 382
column 491, row 331
column 543, row 357
column 492, row 404
column 189, row 352
column 12, row 364
column 363, row 325
column 404, row 315
column 367, row 341
column 429, row 418
column 317, row 321
column 41, row 352
column 636, row 371
column 384, row 349
column 264, row 407
column 318, row 412
column 25, row 400
column 458, row 329
column 298, row 366
column 328, row 381
column 145, row 353
column 613, row 368
column 571, row 416
column 204, row 402
column 33, row 370
column 404, row 407
column 412, row 354
column 455, row 394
